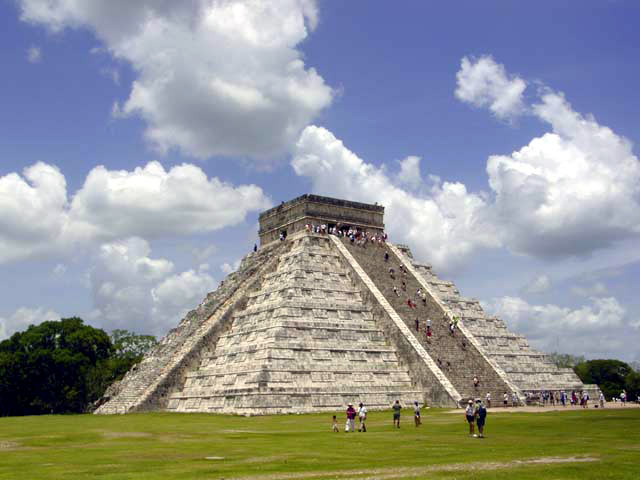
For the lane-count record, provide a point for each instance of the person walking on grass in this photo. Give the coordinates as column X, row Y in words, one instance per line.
column 351, row 415
column 396, row 413
column 362, row 417
column 416, row 414
column 334, row 425
column 469, row 414
column 481, row 415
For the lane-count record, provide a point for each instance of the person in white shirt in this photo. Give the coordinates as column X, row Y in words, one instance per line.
column 469, row 414
column 362, row 417
column 488, row 400
column 601, row 400
column 416, row 414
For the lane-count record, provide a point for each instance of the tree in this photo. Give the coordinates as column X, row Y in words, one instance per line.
column 565, row 360
column 632, row 385
column 128, row 349
column 45, row 368
column 64, row 366
column 610, row 375
column 129, row 343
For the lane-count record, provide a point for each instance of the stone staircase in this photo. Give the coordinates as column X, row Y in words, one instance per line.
column 148, row 385
column 304, row 342
column 456, row 355
column 530, row 370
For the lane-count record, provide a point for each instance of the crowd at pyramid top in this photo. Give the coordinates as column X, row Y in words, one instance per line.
column 352, row 233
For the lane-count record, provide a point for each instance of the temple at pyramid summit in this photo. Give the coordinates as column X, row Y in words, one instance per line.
column 327, row 312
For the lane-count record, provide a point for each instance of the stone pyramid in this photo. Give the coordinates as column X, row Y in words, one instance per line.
column 311, row 322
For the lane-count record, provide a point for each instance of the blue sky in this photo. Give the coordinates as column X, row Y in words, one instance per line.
column 501, row 137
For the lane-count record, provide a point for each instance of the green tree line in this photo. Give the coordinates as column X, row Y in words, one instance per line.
column 63, row 366
column 612, row 376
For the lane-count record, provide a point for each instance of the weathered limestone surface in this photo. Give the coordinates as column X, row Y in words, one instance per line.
column 313, row 323
column 148, row 385
column 290, row 217
column 457, row 355
column 305, row 342
column 424, row 370
column 528, row 369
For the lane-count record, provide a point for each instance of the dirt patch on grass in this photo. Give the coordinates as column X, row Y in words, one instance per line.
column 4, row 445
column 407, row 472
column 273, row 458
column 126, row 434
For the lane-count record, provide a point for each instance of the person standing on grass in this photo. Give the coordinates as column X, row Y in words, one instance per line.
column 601, row 400
column 362, row 417
column 505, row 399
column 396, row 413
column 469, row 414
column 481, row 415
column 351, row 415
column 416, row 414
column 488, row 399
column 334, row 425
column 514, row 399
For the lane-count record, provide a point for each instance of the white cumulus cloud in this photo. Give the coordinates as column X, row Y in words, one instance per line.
column 213, row 77
column 483, row 82
column 22, row 318
column 570, row 191
column 34, row 212
column 135, row 291
column 37, row 218
column 445, row 224
column 595, row 329
column 150, row 201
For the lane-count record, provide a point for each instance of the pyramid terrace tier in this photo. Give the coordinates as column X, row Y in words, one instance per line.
column 306, row 332
column 530, row 370
column 313, row 323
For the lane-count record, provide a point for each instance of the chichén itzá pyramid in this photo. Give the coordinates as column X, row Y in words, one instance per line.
column 312, row 323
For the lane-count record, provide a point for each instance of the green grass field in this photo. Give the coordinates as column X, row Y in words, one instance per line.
column 574, row 444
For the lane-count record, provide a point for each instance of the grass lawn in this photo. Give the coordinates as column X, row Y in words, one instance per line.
column 577, row 444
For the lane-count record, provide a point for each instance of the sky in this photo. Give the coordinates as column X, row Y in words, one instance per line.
column 140, row 141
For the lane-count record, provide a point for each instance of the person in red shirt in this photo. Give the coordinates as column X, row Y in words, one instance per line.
column 351, row 415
